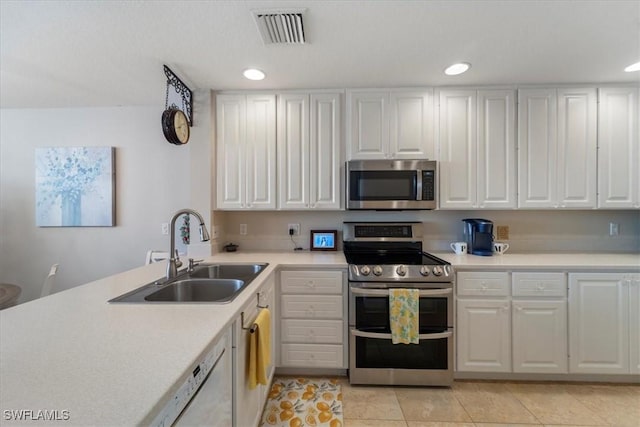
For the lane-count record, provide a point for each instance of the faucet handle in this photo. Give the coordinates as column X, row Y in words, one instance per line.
column 177, row 258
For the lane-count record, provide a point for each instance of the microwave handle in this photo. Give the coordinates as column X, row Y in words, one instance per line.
column 385, row 292
column 375, row 335
column 419, row 185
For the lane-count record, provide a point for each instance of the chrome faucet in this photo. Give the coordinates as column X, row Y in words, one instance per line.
column 174, row 260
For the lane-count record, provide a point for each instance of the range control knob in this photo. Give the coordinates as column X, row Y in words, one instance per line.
column 365, row 270
column 401, row 270
column 437, row 270
column 377, row 270
column 424, row 270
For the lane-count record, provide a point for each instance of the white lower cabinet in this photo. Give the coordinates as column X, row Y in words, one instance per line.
column 539, row 321
column 312, row 319
column 604, row 330
column 248, row 403
column 511, row 322
column 483, row 325
column 484, row 335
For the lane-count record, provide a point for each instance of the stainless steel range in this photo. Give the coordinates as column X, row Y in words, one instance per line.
column 385, row 255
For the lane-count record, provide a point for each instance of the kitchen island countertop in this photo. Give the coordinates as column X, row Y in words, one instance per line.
column 74, row 354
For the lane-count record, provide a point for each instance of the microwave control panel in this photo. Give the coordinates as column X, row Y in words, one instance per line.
column 428, row 185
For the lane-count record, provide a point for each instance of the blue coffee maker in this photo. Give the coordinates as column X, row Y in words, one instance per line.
column 478, row 234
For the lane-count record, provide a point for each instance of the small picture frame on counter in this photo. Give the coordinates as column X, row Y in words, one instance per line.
column 324, row 240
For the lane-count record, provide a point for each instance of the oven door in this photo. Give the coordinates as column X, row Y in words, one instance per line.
column 374, row 359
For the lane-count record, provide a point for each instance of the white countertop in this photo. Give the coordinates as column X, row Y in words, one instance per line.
column 115, row 364
column 546, row 261
column 112, row 364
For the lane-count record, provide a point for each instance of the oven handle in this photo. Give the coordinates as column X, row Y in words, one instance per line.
column 385, row 292
column 437, row 336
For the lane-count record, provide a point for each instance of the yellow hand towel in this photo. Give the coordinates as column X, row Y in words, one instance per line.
column 260, row 349
column 404, row 315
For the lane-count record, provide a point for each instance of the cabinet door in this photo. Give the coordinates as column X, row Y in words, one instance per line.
column 537, row 148
column 247, row 403
column 324, row 167
column 496, row 179
column 312, row 356
column 457, row 149
column 311, row 282
column 311, row 306
column 267, row 298
column 411, row 125
column 230, row 141
column 577, row 148
column 598, row 323
column 634, row 323
column 540, row 336
column 484, row 335
column 261, row 152
column 618, row 148
column 293, row 151
column 367, row 125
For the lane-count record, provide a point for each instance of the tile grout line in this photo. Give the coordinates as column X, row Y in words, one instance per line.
column 523, row 405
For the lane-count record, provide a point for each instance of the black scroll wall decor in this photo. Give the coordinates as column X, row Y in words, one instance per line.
column 178, row 96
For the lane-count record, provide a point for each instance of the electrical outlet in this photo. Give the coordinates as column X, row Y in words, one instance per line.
column 295, row 228
column 614, row 229
column 215, row 232
column 243, row 229
column 164, row 227
column 502, row 232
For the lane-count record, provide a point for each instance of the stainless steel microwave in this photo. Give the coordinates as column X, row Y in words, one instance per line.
column 391, row 184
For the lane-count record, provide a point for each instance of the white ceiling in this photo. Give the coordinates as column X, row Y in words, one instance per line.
column 109, row 53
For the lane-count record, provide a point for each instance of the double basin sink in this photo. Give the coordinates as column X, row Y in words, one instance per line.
column 211, row 283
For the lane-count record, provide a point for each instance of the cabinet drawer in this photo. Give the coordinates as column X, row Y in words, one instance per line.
column 311, row 282
column 483, row 283
column 539, row 284
column 312, row 306
column 312, row 355
column 312, row 331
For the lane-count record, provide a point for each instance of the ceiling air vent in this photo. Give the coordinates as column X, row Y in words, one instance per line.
column 280, row 26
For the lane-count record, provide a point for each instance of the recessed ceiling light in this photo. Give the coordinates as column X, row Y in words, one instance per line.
column 633, row 67
column 459, row 68
column 253, row 74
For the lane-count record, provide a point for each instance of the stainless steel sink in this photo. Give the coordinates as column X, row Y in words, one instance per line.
column 199, row 290
column 227, row 271
column 207, row 283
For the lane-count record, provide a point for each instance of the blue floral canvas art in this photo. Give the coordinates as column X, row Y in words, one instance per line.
column 75, row 186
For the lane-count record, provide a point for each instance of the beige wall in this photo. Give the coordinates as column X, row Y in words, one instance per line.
column 153, row 180
column 530, row 231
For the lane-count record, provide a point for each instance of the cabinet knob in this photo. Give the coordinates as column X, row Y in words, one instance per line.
column 541, row 286
column 310, row 284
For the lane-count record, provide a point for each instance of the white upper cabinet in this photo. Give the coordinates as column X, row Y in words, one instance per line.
column 309, row 151
column 577, row 148
column 390, row 124
column 557, row 148
column 618, row 148
column 246, row 151
column 477, row 149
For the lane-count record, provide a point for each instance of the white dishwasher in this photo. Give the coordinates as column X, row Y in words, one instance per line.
column 204, row 399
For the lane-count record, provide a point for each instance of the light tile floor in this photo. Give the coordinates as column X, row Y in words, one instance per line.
column 488, row 404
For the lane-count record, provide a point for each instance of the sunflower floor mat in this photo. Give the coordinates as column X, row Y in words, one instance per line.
column 302, row 402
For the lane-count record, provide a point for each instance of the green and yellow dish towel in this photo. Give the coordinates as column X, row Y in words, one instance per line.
column 404, row 315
